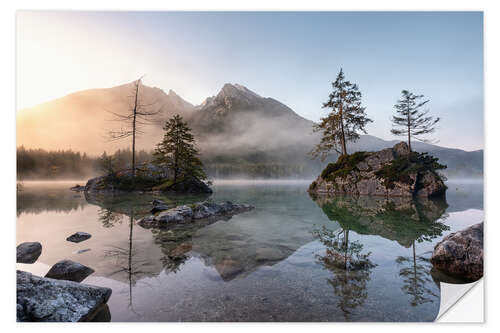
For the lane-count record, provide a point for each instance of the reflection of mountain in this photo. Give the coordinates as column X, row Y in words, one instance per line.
column 401, row 219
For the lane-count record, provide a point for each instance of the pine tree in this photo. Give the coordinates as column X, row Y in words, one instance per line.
column 346, row 119
column 177, row 150
column 409, row 120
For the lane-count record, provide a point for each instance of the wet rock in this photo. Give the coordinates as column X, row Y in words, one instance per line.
column 78, row 237
column 158, row 206
column 460, row 254
column 268, row 254
column 69, row 270
column 28, row 252
column 44, row 299
column 188, row 213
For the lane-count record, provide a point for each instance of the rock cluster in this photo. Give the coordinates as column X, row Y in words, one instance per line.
column 188, row 213
column 28, row 252
column 363, row 177
column 460, row 253
column 44, row 299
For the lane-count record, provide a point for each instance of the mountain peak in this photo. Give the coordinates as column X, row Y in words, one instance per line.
column 237, row 90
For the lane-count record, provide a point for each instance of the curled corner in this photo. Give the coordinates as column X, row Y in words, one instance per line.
column 451, row 295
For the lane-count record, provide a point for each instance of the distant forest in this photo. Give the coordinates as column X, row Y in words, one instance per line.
column 40, row 164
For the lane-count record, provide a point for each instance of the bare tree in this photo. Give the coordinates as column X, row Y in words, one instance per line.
column 137, row 114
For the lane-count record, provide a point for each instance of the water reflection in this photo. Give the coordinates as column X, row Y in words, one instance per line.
column 406, row 221
column 350, row 266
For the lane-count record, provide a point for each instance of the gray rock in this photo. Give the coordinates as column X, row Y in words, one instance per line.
column 44, row 299
column 69, row 270
column 460, row 253
column 28, row 252
column 159, row 207
column 78, row 237
column 78, row 188
column 189, row 213
column 363, row 179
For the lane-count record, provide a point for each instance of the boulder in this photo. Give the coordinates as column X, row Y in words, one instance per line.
column 78, row 237
column 28, row 252
column 44, row 299
column 69, row 270
column 460, row 254
column 393, row 172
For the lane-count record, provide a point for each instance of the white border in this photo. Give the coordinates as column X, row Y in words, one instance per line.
column 492, row 118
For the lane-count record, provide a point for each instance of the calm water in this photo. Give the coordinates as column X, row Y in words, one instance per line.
column 293, row 258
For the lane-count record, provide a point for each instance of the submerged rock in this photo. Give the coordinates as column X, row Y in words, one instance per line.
column 69, row 270
column 78, row 237
column 44, row 299
column 460, row 253
column 188, row 213
column 269, row 254
column 28, row 252
column 394, row 172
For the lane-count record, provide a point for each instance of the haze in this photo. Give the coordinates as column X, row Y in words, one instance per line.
column 291, row 57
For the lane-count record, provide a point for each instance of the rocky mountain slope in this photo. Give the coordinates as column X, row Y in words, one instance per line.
column 238, row 131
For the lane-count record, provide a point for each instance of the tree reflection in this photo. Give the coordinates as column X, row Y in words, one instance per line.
column 416, row 277
column 404, row 220
column 108, row 218
column 351, row 268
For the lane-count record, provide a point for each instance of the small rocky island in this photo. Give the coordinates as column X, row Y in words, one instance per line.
column 392, row 172
column 148, row 178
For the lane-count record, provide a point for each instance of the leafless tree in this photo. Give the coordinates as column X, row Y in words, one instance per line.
column 137, row 115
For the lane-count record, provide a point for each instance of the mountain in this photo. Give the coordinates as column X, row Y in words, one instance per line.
column 238, row 131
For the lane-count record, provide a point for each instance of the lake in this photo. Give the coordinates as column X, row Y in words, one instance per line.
column 292, row 258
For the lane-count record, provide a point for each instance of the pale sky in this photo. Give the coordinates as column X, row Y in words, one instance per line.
column 289, row 56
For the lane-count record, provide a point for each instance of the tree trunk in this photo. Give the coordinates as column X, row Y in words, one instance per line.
column 409, row 131
column 344, row 147
column 133, row 128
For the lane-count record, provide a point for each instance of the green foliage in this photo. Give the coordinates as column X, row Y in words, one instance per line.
column 344, row 165
column 177, row 150
column 401, row 168
column 346, row 119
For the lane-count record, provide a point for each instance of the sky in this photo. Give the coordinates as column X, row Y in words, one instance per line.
column 290, row 56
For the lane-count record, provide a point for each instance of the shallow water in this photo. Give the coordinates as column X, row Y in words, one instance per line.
column 292, row 258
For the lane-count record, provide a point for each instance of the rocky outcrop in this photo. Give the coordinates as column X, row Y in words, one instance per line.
column 188, row 213
column 77, row 188
column 394, row 172
column 78, row 237
column 69, row 270
column 28, row 252
column 460, row 254
column 149, row 178
column 44, row 299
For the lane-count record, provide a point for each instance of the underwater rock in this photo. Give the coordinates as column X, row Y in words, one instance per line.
column 28, row 252
column 44, row 299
